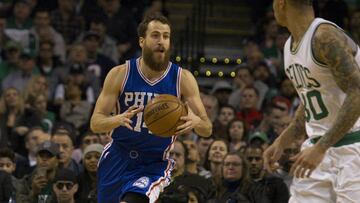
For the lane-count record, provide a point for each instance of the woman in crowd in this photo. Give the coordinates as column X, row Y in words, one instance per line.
column 87, row 179
column 237, row 131
column 12, row 107
column 214, row 157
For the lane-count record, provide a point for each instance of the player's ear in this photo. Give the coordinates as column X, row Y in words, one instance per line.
column 141, row 41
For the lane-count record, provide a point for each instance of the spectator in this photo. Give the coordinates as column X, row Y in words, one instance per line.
column 288, row 91
column 12, row 60
column 248, row 110
column 120, row 24
column 18, row 26
column 37, row 114
column 243, row 79
column 49, row 66
column 66, row 145
column 43, row 26
column 36, row 187
column 259, row 139
column 179, row 154
column 87, row 138
column 21, row 16
column 193, row 160
column 7, row 164
column 237, row 185
column 36, row 85
column 66, row 21
column 203, row 144
column 226, row 114
column 33, row 140
column 211, row 105
column 99, row 64
column 20, row 77
column 77, row 77
column 74, row 109
column 221, row 90
column 65, row 186
column 237, row 131
column 214, row 157
column 12, row 108
column 107, row 44
column 274, row 187
column 271, row 29
column 271, row 119
column 87, row 179
column 286, row 163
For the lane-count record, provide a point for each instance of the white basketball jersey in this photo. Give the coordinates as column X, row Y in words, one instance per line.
column 317, row 89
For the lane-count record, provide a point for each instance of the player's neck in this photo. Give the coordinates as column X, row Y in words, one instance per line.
column 148, row 72
column 302, row 21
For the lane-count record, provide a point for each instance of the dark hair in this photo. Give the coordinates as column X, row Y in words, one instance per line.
column 143, row 26
column 253, row 88
column 6, row 152
column 245, row 134
column 227, row 106
column 32, row 129
column 49, row 42
column 65, row 133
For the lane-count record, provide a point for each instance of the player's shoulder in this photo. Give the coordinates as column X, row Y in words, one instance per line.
column 119, row 70
column 186, row 74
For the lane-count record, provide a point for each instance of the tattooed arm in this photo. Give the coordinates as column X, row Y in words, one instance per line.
column 296, row 128
column 334, row 49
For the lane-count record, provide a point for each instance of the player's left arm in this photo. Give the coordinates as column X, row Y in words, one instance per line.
column 197, row 118
column 333, row 48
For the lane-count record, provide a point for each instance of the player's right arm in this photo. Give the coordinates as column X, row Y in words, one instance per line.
column 293, row 132
column 102, row 120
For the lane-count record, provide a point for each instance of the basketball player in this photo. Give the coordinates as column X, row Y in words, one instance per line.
column 135, row 166
column 323, row 64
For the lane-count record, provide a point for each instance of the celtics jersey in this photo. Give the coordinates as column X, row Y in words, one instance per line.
column 315, row 84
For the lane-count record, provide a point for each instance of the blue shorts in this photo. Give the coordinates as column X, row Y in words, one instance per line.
column 121, row 171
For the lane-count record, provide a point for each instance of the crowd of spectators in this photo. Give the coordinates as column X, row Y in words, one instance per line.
column 54, row 56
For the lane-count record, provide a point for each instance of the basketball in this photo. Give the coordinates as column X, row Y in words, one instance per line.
column 162, row 115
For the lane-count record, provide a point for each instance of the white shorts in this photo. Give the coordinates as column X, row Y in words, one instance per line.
column 335, row 180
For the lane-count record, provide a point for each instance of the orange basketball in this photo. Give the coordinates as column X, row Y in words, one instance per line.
column 162, row 115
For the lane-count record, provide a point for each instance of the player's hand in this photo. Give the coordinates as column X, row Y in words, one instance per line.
column 191, row 120
column 271, row 156
column 306, row 161
column 125, row 118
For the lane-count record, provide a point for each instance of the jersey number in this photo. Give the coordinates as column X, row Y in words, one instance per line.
column 139, row 121
column 314, row 105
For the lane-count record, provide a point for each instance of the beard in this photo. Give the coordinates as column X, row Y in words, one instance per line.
column 154, row 63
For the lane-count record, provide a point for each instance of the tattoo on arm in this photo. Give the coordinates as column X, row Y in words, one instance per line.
column 298, row 123
column 330, row 46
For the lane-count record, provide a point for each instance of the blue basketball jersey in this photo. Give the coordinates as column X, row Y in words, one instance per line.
column 138, row 90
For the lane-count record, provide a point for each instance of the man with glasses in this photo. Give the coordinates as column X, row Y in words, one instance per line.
column 65, row 186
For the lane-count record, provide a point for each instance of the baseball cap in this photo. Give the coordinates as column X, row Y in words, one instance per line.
column 63, row 174
column 12, row 45
column 221, row 85
column 259, row 135
column 90, row 34
column 49, row 146
column 94, row 148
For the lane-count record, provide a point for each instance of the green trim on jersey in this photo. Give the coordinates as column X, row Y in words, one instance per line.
column 349, row 138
